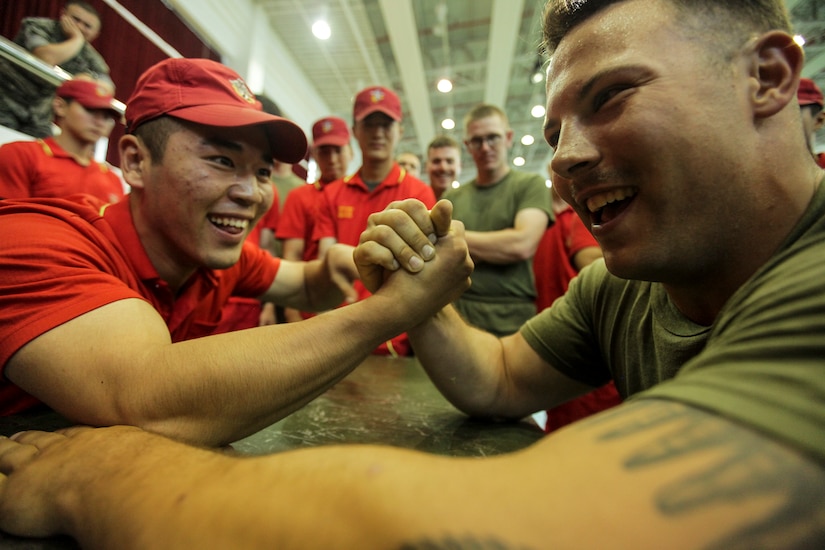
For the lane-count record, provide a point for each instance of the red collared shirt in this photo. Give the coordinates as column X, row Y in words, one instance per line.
column 346, row 204
column 64, row 258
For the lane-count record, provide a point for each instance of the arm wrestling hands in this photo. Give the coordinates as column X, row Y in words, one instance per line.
column 427, row 244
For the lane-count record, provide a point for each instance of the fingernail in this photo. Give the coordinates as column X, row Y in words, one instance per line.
column 433, row 238
column 395, row 264
column 428, row 252
column 416, row 263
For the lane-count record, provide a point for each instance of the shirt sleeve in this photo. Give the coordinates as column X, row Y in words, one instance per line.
column 17, row 170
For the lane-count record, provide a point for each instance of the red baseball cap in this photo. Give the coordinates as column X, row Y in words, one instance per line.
column 205, row 92
column 809, row 93
column 377, row 99
column 330, row 131
column 90, row 94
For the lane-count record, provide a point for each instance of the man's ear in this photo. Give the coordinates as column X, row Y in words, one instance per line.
column 59, row 107
column 777, row 64
column 134, row 160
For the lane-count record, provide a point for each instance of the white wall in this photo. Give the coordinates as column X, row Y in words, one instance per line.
column 240, row 31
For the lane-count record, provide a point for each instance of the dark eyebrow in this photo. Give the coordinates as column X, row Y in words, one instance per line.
column 217, row 141
column 591, row 82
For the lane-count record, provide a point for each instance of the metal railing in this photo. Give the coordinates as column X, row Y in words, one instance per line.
column 51, row 74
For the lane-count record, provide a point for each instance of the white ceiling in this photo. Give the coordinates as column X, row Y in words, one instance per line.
column 488, row 48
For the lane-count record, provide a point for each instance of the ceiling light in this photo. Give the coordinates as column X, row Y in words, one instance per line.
column 448, row 124
column 799, row 39
column 537, row 111
column 537, row 77
column 321, row 30
column 444, row 85
column 519, row 161
column 528, row 140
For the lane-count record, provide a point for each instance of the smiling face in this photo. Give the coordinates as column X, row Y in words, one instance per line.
column 443, row 167
column 648, row 138
column 195, row 208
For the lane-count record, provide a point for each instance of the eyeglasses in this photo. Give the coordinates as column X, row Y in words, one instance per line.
column 478, row 142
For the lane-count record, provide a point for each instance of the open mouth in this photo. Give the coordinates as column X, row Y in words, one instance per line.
column 607, row 206
column 234, row 226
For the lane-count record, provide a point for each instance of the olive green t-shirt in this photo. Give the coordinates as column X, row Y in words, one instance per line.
column 761, row 363
column 502, row 296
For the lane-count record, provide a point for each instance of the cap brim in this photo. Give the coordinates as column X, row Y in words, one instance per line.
column 288, row 141
column 103, row 105
column 376, row 109
column 338, row 141
column 808, row 101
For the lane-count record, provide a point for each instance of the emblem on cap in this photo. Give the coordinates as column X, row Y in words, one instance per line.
column 326, row 126
column 242, row 90
column 377, row 96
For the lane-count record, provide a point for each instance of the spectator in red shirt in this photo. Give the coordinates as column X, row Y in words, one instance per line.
column 64, row 164
column 332, row 152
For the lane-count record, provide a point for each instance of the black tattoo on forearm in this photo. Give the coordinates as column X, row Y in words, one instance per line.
column 749, row 466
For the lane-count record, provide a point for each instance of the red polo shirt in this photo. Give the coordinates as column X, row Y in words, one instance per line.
column 299, row 215
column 64, row 258
column 347, row 203
column 43, row 169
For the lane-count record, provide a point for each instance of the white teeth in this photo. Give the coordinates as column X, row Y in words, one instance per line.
column 231, row 222
column 600, row 201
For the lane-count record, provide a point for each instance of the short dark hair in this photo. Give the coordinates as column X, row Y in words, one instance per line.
column 443, row 140
column 155, row 135
column 84, row 6
column 484, row 110
column 729, row 22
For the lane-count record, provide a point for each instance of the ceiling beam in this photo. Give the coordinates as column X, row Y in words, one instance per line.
column 505, row 24
column 399, row 20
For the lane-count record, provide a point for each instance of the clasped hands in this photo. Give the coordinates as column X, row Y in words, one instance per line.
column 424, row 247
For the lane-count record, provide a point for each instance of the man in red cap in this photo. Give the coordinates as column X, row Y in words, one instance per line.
column 347, row 203
column 332, row 153
column 811, row 103
column 106, row 310
column 64, row 165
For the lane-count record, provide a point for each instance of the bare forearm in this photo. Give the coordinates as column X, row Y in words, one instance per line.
column 460, row 360
column 226, row 394
column 500, row 247
column 680, row 477
column 60, row 52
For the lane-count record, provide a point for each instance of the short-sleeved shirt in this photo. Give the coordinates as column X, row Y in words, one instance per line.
column 502, row 296
column 25, row 99
column 761, row 363
column 347, row 203
column 44, row 169
column 553, row 264
column 64, row 258
column 299, row 215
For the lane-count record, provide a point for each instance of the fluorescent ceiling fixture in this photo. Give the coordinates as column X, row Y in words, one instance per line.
column 537, row 111
column 321, row 30
column 519, row 161
column 448, row 124
column 444, row 85
column 528, row 140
